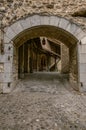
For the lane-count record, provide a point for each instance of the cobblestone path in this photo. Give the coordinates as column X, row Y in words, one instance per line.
column 43, row 101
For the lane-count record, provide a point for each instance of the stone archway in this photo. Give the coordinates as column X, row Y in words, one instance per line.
column 50, row 26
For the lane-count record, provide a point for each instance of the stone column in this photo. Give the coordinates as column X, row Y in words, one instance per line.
column 64, row 59
column 82, row 65
column 73, row 64
column 8, row 77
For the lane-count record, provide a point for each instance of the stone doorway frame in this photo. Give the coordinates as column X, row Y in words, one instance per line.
column 16, row 28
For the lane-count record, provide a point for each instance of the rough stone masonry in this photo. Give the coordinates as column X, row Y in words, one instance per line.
column 14, row 10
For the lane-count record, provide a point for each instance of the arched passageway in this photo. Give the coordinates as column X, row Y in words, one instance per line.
column 56, row 28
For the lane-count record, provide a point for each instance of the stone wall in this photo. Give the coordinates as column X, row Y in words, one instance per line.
column 12, row 10
column 64, row 59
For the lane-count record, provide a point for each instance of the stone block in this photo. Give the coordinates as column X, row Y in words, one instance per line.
column 17, row 27
column 63, row 23
column 52, row 20
column 44, row 20
column 83, row 40
column 10, row 33
column 8, row 48
column 82, row 48
column 83, row 77
column 8, row 58
column 72, row 28
column 26, row 23
column 6, row 39
column 80, row 35
column 82, row 67
column 7, row 67
column 82, row 58
column 35, row 20
column 78, row 31
column 57, row 21
column 8, row 77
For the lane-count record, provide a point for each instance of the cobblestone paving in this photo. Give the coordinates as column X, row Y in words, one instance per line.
column 43, row 101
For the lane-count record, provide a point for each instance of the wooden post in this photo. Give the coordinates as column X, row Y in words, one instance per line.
column 1, row 37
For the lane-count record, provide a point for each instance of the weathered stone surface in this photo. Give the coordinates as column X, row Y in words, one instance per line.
column 14, row 10
column 82, row 67
column 8, row 48
column 83, row 58
column 80, row 12
column 1, row 67
column 7, row 67
column 41, row 102
column 1, row 87
column 35, row 20
column 82, row 48
column 64, row 59
column 83, row 40
column 7, row 87
column 10, row 33
column 45, row 20
column 63, row 23
column 82, row 77
column 1, row 77
column 17, row 28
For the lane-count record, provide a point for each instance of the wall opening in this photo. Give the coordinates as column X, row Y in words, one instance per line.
column 37, row 56
column 55, row 30
column 50, row 40
column 57, row 52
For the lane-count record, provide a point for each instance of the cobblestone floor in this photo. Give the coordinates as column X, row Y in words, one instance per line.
column 43, row 101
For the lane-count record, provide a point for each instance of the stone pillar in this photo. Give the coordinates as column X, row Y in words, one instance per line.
column 64, row 59
column 82, row 65
column 73, row 64
column 8, row 76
